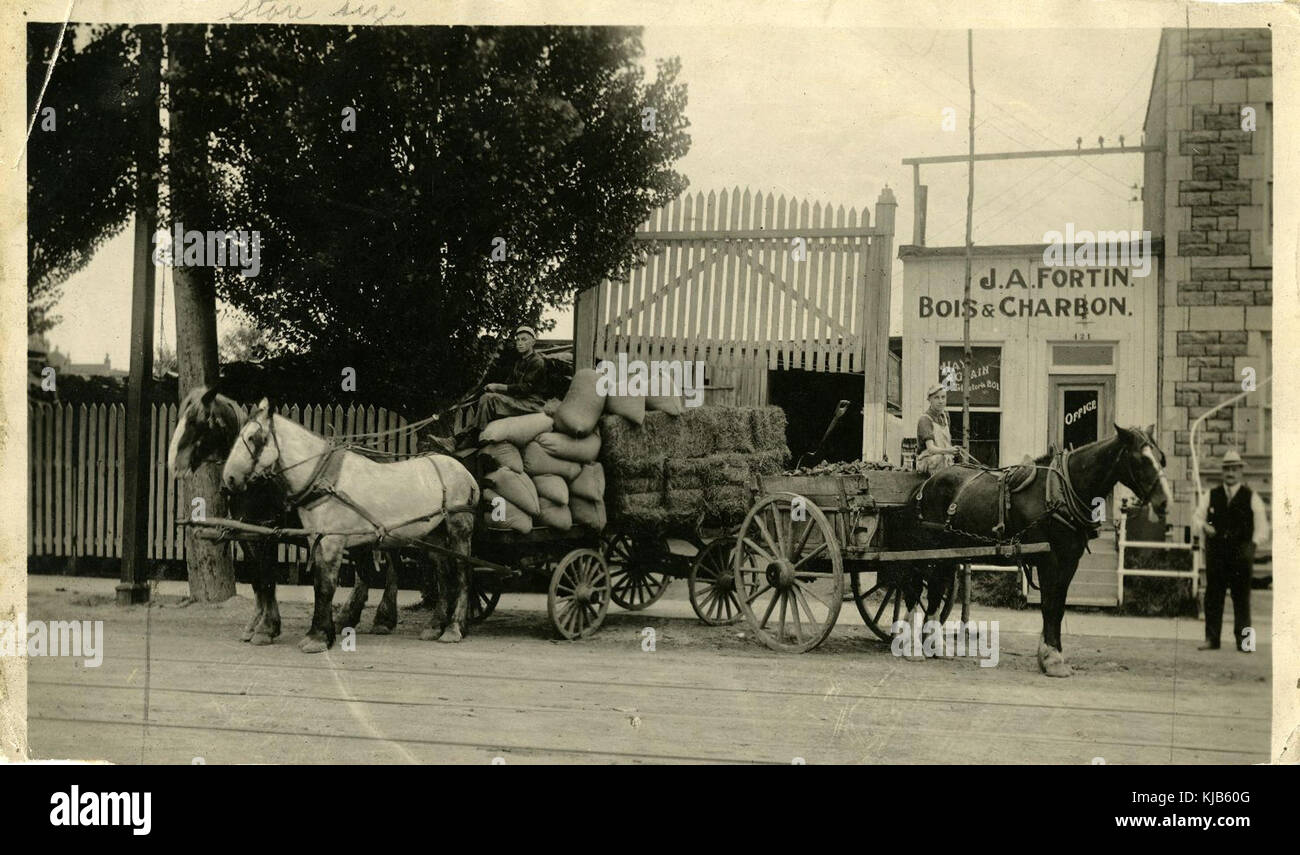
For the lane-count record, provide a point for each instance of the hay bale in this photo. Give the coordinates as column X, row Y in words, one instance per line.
column 723, row 430
column 565, row 447
column 767, row 425
column 552, row 487
column 661, row 435
column 722, row 469
column 654, row 484
column 727, row 504
column 581, row 408
column 538, row 462
column 515, row 487
column 518, row 430
column 590, row 484
column 500, row 514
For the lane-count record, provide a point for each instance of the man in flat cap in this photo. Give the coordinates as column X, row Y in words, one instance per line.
column 1233, row 522
column 934, row 448
column 522, row 394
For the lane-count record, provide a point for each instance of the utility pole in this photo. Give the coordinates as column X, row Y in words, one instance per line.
column 135, row 535
column 965, row 303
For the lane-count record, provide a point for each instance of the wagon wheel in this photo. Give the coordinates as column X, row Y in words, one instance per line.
column 579, row 594
column 791, row 571
column 483, row 599
column 634, row 583
column 880, row 598
column 712, row 584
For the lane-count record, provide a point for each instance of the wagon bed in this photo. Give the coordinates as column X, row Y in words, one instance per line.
column 804, row 530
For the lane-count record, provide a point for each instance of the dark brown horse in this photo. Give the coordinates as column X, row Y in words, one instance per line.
column 959, row 506
column 207, row 425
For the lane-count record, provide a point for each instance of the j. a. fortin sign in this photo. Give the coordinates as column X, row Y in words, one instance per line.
column 1072, row 342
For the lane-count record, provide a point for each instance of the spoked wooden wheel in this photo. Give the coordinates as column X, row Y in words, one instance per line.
column 483, row 598
column 578, row 597
column 635, row 581
column 882, row 600
column 712, row 584
column 790, row 571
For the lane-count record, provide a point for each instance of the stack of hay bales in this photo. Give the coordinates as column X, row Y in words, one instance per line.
column 665, row 473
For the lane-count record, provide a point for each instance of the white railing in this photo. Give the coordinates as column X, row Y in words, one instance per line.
column 1123, row 543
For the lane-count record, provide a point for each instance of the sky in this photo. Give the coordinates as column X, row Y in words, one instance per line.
column 828, row 115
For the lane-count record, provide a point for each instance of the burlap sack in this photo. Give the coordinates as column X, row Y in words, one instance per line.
column 552, row 487
column 582, row 406
column 516, row 488
column 590, row 484
column 499, row 454
column 555, row 515
column 500, row 514
column 537, row 461
column 518, row 430
column 565, row 447
column 588, row 513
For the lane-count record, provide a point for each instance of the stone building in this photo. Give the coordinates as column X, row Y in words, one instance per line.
column 1209, row 194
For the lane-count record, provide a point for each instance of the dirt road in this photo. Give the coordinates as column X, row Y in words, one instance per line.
column 701, row 695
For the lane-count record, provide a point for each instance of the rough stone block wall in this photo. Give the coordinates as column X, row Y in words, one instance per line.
column 1222, row 290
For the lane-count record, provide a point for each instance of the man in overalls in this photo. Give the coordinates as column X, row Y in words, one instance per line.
column 1233, row 522
column 933, row 433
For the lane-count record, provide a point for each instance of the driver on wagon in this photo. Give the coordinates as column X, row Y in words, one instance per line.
column 933, row 433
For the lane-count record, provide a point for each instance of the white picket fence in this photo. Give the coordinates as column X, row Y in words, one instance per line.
column 76, row 456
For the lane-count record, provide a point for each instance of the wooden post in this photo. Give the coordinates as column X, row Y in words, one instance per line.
column 920, row 201
column 874, row 326
column 584, row 327
column 970, row 197
column 135, row 516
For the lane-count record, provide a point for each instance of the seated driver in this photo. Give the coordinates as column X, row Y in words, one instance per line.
column 523, row 393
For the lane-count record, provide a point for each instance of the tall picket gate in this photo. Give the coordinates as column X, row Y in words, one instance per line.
column 76, row 457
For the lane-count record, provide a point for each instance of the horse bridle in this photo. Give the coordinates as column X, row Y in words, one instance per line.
column 264, row 435
column 1148, row 450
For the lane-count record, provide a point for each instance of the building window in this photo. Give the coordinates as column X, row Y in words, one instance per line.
column 985, row 399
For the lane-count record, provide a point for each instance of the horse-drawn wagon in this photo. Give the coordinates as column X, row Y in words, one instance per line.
column 806, row 533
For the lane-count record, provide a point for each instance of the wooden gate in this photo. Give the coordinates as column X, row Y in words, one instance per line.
column 747, row 283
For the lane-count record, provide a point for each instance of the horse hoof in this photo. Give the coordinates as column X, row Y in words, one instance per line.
column 313, row 645
column 339, row 626
column 450, row 635
column 430, row 634
column 381, row 629
column 1052, row 661
column 261, row 639
column 246, row 635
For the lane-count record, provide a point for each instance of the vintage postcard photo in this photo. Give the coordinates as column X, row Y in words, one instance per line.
column 484, row 385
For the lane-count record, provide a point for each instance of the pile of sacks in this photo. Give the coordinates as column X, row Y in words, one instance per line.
column 543, row 469
column 667, row 472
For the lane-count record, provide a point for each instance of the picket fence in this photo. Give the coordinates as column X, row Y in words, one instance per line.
column 76, row 457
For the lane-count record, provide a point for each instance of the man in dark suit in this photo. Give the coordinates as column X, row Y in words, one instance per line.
column 1233, row 521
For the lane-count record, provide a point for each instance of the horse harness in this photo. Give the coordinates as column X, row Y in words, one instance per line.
column 1063, row 501
column 322, row 486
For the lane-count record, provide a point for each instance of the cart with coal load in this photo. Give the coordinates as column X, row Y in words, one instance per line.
column 808, row 538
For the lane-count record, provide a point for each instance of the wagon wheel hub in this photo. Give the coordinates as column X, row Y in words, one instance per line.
column 780, row 573
column 582, row 593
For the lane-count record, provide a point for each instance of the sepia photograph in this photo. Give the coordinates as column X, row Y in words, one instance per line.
column 656, row 389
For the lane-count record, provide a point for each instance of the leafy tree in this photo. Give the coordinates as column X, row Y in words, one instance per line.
column 377, row 243
column 80, row 158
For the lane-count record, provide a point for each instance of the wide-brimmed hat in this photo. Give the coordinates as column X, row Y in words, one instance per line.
column 1232, row 458
column 936, row 387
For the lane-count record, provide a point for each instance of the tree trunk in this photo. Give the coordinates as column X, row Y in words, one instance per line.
column 211, row 570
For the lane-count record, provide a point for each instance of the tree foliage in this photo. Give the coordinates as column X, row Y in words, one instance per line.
column 548, row 143
column 80, row 173
column 377, row 243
